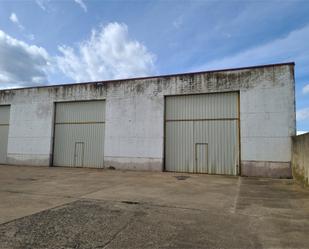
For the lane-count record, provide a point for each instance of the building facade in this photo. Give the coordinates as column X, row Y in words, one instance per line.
column 235, row 122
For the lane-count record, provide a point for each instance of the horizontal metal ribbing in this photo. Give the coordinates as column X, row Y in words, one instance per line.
column 201, row 119
column 64, row 123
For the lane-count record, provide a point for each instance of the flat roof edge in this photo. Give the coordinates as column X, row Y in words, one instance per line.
column 153, row 77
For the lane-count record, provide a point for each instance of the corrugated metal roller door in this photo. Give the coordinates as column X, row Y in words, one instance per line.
column 4, row 132
column 201, row 133
column 79, row 134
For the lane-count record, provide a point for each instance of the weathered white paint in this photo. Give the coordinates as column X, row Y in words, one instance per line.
column 300, row 158
column 135, row 116
column 32, row 117
column 4, row 132
column 134, row 130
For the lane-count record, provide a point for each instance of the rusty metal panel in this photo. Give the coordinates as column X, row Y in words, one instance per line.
column 4, row 132
column 205, row 141
column 202, row 106
column 79, row 136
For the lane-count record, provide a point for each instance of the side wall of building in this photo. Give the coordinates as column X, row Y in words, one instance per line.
column 300, row 159
column 135, row 117
column 267, row 123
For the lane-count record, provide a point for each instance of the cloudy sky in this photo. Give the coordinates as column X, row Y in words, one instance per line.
column 48, row 42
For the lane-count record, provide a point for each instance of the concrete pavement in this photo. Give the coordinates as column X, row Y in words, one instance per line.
column 90, row 208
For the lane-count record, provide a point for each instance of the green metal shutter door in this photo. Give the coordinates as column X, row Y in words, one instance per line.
column 4, row 132
column 201, row 133
column 79, row 134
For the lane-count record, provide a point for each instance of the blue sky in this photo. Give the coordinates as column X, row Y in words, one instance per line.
column 49, row 42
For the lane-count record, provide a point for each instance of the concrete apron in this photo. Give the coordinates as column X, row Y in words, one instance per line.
column 191, row 212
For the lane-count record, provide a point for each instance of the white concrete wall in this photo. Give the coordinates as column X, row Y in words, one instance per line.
column 266, row 124
column 30, row 133
column 31, row 120
column 300, row 159
column 135, row 116
column 134, row 131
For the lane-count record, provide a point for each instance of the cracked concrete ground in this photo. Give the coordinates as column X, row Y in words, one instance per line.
column 89, row 208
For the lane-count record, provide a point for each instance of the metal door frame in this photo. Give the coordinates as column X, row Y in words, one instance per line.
column 75, row 155
column 8, row 125
column 51, row 159
column 195, row 148
column 238, row 167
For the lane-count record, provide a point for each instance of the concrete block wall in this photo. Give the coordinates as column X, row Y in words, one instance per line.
column 300, row 159
column 134, row 131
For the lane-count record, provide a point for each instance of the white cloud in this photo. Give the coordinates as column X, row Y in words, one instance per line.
column 14, row 19
column 301, row 132
column 306, row 89
column 20, row 63
column 293, row 47
column 42, row 4
column 109, row 53
column 302, row 114
column 81, row 4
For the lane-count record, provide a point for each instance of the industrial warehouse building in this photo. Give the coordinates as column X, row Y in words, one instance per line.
column 234, row 122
